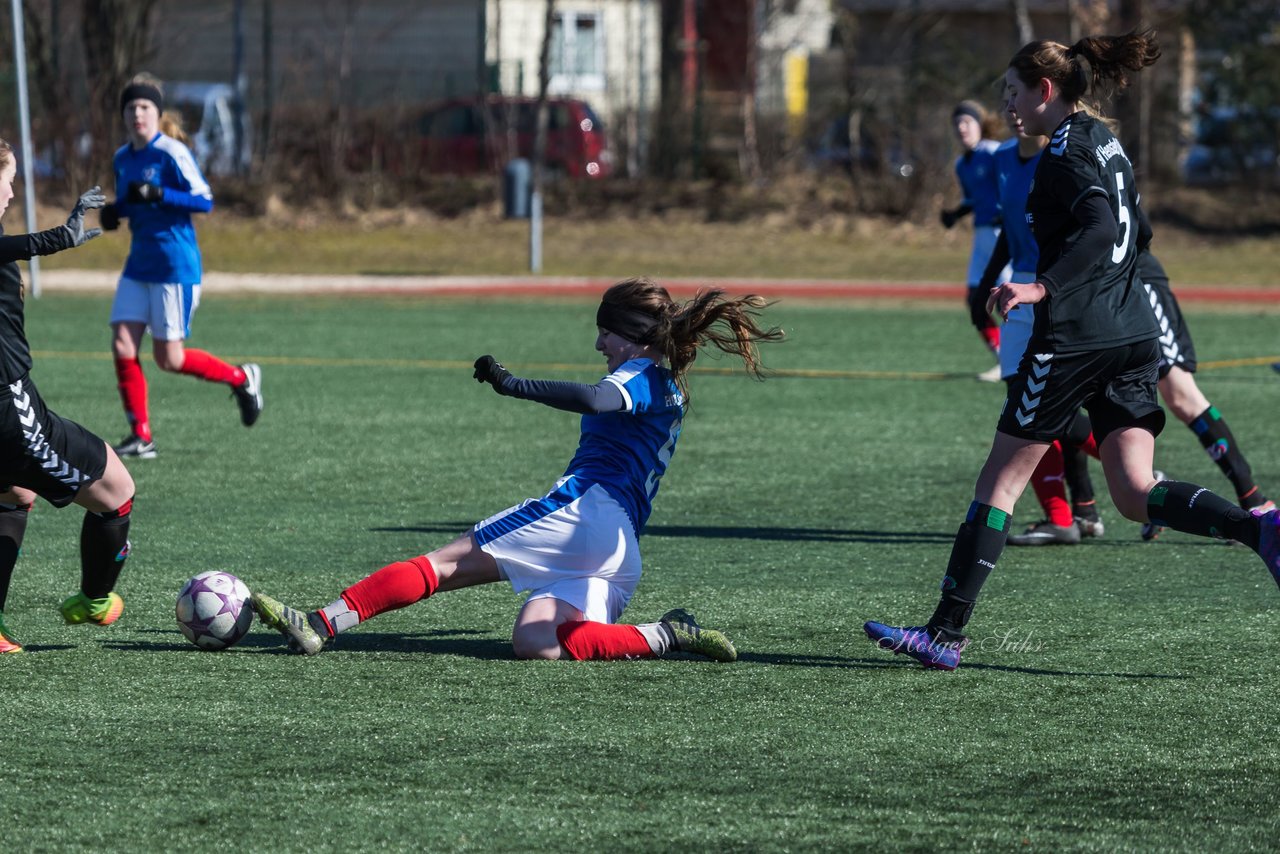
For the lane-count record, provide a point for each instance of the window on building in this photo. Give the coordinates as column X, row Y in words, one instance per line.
column 577, row 52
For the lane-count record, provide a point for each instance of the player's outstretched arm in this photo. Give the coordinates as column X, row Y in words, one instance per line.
column 584, row 399
column 22, row 247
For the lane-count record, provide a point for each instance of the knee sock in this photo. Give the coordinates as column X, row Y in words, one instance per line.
column 977, row 547
column 104, row 545
column 206, row 366
column 1075, row 465
column 1047, row 481
column 396, row 585
column 586, row 641
column 13, row 524
column 1215, row 437
column 133, row 394
column 991, row 335
column 1195, row 510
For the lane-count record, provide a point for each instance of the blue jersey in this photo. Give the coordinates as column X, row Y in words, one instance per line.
column 627, row 452
column 164, row 248
column 976, row 172
column 1014, row 176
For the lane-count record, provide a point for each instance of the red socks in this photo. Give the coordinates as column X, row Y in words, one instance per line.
column 601, row 641
column 133, row 394
column 206, row 366
column 133, row 384
column 1049, row 483
column 992, row 336
column 394, row 586
column 1090, row 447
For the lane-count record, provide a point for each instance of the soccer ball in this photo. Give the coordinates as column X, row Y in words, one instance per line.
column 213, row 610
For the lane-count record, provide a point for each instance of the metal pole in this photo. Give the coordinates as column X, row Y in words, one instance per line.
column 28, row 149
column 535, row 231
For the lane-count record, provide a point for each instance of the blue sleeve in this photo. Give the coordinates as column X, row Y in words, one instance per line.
column 186, row 201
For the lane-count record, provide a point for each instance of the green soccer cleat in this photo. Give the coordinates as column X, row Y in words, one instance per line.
column 291, row 623
column 690, row 637
column 81, row 609
column 8, row 643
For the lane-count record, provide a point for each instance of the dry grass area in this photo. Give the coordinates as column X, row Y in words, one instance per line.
column 806, row 227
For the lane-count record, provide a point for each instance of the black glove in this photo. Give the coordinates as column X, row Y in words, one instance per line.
column 142, row 193
column 489, row 370
column 89, row 199
column 109, row 217
column 949, row 218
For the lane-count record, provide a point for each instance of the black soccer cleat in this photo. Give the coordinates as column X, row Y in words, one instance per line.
column 1045, row 533
column 249, row 394
column 135, row 446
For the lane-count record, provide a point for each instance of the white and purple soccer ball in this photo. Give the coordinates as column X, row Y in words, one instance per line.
column 213, row 610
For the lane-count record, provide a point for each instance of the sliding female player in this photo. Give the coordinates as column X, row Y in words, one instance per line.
column 1093, row 343
column 575, row 549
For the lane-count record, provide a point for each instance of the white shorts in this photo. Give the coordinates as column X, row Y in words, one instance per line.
column 1016, row 331
column 575, row 544
column 165, row 308
column 984, row 243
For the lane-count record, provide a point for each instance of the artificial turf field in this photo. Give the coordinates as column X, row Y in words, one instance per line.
column 1118, row 695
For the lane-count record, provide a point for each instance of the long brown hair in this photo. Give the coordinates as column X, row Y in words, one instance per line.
column 712, row 317
column 1091, row 70
column 6, row 153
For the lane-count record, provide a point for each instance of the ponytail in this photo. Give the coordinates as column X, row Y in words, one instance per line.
column 1094, row 68
column 681, row 329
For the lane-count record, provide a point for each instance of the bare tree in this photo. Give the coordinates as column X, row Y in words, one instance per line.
column 1022, row 20
column 1087, row 17
column 116, row 36
column 544, row 80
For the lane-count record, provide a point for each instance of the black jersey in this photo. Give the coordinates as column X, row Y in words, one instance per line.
column 1103, row 306
column 15, row 354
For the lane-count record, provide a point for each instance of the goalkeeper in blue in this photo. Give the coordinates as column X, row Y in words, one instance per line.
column 575, row 550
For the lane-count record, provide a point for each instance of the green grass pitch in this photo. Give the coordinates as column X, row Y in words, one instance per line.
column 1119, row 695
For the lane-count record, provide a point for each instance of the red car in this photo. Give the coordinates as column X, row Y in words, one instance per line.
column 467, row 135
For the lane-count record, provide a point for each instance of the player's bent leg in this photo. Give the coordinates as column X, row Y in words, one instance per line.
column 1126, row 462
column 131, row 382
column 1007, row 470
column 169, row 355
column 535, row 634
column 462, row 563
column 104, row 546
column 1179, row 392
column 110, row 491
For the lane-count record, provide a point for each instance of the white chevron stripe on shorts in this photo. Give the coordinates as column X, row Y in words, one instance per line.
column 1169, row 349
column 1036, row 381
column 37, row 445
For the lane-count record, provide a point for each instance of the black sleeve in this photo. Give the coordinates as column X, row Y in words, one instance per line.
column 602, row 397
column 1144, row 231
column 1098, row 233
column 1000, row 256
column 21, row 247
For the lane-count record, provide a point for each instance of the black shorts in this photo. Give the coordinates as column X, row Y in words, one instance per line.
column 1116, row 386
column 1175, row 340
column 42, row 451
